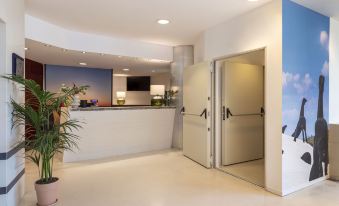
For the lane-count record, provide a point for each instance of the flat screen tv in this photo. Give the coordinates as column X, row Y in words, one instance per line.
column 138, row 83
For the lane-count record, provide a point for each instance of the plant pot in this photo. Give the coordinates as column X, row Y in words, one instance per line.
column 47, row 194
column 76, row 101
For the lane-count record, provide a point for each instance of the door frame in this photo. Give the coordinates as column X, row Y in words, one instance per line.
column 216, row 108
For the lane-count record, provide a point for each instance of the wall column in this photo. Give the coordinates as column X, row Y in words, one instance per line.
column 182, row 57
column 12, row 163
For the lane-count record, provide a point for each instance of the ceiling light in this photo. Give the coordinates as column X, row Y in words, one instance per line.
column 163, row 21
column 157, row 60
column 26, row 48
column 120, row 75
column 126, row 69
column 83, row 63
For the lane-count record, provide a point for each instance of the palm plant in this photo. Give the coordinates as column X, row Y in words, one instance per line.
column 46, row 135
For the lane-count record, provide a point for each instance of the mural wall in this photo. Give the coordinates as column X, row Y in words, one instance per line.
column 305, row 96
column 99, row 80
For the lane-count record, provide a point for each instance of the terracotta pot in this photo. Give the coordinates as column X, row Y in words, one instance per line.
column 47, row 194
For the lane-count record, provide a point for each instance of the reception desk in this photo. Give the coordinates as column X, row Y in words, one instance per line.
column 115, row 131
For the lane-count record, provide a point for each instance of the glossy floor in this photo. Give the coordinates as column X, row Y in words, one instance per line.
column 252, row 171
column 167, row 179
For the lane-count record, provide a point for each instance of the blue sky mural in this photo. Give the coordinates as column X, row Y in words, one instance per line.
column 99, row 80
column 305, row 57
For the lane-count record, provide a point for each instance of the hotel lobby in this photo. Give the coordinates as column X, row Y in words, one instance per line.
column 162, row 103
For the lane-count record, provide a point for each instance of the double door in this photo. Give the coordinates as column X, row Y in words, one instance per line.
column 196, row 113
column 242, row 118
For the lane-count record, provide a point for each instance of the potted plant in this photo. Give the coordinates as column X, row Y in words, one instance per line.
column 48, row 136
column 169, row 95
column 75, row 98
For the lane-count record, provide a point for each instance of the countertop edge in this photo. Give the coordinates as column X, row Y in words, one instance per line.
column 119, row 108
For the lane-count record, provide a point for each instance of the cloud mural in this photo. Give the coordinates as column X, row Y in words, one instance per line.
column 305, row 95
column 324, row 39
column 303, row 85
column 289, row 77
column 325, row 69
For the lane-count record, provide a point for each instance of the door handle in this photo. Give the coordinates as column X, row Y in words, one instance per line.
column 229, row 113
column 203, row 113
column 223, row 113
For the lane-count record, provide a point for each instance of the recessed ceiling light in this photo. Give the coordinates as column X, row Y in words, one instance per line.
column 26, row 48
column 157, row 61
column 120, row 75
column 83, row 63
column 163, row 21
column 126, row 69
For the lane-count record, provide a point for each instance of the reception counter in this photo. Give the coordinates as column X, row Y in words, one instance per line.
column 114, row 131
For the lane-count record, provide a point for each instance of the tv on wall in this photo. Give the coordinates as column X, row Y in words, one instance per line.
column 138, row 83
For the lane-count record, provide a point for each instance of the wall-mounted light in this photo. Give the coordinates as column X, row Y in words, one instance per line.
column 126, row 69
column 83, row 63
column 26, row 48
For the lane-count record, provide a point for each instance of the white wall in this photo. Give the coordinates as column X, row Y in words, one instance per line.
column 42, row 31
column 11, row 41
column 257, row 29
column 199, row 48
column 138, row 97
column 334, row 72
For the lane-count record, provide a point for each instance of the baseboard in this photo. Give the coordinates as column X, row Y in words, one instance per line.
column 303, row 186
column 279, row 193
column 334, row 178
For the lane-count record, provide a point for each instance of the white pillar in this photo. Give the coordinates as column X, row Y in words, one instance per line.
column 12, row 163
column 182, row 57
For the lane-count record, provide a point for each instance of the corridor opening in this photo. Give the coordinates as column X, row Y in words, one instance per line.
column 240, row 116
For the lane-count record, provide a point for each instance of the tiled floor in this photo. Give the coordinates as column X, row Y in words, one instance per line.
column 167, row 179
column 252, row 171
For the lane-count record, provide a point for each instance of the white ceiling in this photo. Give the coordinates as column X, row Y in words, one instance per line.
column 57, row 56
column 327, row 7
column 136, row 19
